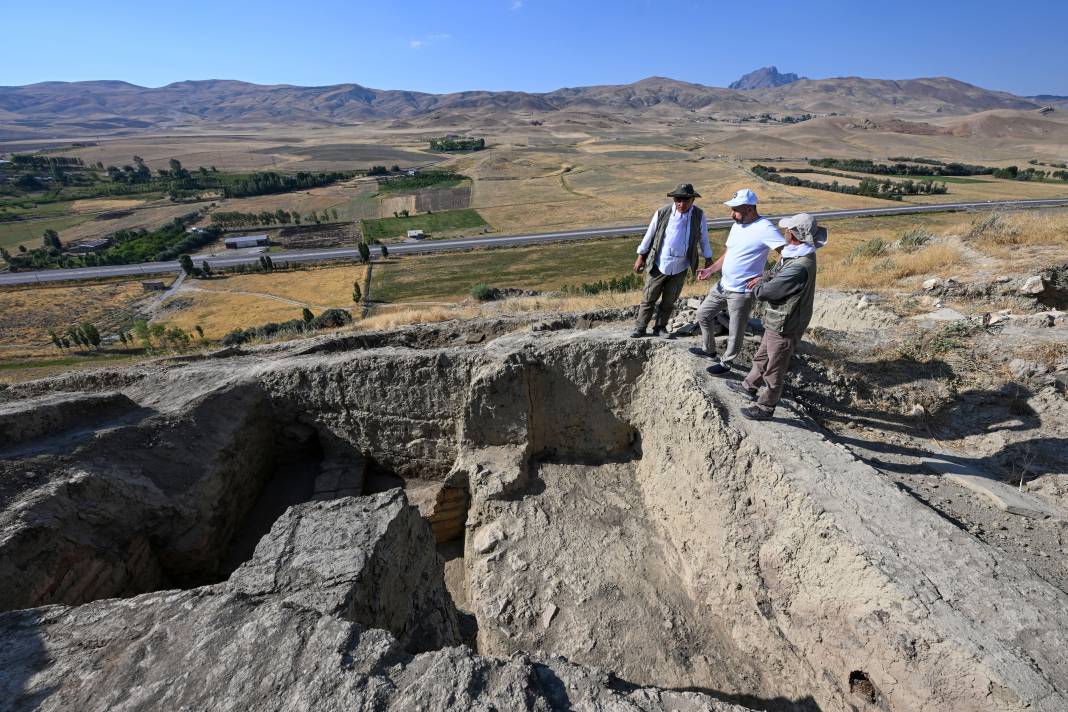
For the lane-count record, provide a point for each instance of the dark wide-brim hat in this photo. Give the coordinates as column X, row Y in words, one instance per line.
column 684, row 190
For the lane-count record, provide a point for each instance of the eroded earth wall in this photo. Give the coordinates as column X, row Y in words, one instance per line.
column 621, row 515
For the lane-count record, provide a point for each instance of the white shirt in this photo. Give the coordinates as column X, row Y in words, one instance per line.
column 672, row 259
column 747, row 252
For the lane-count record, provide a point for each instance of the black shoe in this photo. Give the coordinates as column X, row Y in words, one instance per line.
column 739, row 388
column 638, row 334
column 719, row 369
column 698, row 351
column 658, row 331
column 756, row 412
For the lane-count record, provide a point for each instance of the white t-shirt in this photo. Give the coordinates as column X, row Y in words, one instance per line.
column 747, row 252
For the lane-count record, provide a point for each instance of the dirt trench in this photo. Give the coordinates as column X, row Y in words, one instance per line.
column 618, row 514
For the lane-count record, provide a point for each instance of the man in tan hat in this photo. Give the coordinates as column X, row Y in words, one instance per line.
column 789, row 289
column 670, row 246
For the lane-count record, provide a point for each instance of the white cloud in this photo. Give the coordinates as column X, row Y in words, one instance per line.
column 516, row 4
column 429, row 39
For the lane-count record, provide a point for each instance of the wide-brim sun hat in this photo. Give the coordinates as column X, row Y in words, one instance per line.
column 742, row 197
column 806, row 229
column 684, row 190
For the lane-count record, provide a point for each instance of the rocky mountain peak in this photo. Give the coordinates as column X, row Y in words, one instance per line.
column 764, row 78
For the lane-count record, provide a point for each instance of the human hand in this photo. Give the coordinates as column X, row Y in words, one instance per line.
column 751, row 284
column 705, row 273
column 639, row 264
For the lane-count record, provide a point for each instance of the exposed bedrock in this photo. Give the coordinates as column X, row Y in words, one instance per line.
column 325, row 616
column 137, row 507
column 370, row 560
column 620, row 515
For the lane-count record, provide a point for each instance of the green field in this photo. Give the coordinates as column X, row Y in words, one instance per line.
column 542, row 267
column 88, row 360
column 427, row 222
column 17, row 231
column 426, row 179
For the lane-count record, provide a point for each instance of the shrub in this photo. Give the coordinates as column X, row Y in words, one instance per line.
column 875, row 247
column 483, row 292
column 236, row 338
column 996, row 227
column 331, row 319
column 626, row 283
column 913, row 240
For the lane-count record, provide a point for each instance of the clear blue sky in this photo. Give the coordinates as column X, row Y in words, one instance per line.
column 532, row 45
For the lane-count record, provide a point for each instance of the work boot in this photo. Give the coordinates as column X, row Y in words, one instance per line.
column 698, row 351
column 740, row 388
column 638, row 333
column 757, row 412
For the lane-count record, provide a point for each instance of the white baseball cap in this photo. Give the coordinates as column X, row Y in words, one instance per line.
column 742, row 197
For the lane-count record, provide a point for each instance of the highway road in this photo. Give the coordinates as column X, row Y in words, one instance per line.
column 429, row 246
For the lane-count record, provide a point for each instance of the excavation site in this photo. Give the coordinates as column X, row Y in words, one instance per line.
column 488, row 515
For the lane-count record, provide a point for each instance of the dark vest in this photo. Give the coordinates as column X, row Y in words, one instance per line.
column 662, row 217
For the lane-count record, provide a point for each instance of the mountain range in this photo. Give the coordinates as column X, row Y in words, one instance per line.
column 117, row 105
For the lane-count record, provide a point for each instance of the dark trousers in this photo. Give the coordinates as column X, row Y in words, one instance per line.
column 667, row 289
column 770, row 365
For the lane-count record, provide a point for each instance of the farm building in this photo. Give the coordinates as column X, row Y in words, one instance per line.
column 416, row 235
column 241, row 241
column 90, row 245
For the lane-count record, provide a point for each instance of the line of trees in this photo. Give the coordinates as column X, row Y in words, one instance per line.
column 930, row 167
column 870, row 187
column 1027, row 174
column 270, row 183
column 39, row 162
column 329, row 319
column 228, row 219
column 457, row 143
column 423, row 179
column 129, row 247
column 84, row 335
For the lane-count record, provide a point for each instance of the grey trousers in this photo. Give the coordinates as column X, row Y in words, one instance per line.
column 667, row 289
column 738, row 306
column 770, row 365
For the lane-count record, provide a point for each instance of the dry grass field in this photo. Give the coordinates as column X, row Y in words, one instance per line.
column 317, row 288
column 579, row 169
column 437, row 287
column 149, row 218
column 352, row 199
column 30, row 311
column 218, row 312
column 424, row 286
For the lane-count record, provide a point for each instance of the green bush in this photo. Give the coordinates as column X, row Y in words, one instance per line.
column 913, row 240
column 483, row 292
column 626, row 283
column 875, row 247
column 331, row 319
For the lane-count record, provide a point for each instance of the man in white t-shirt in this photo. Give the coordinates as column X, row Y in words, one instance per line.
column 750, row 240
